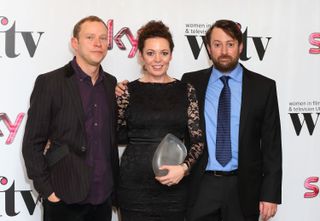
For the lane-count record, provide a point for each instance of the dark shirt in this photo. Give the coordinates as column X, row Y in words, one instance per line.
column 97, row 119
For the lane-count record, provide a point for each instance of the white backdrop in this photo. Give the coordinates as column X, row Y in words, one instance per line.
column 283, row 43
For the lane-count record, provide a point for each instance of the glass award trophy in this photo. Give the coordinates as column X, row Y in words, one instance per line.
column 170, row 151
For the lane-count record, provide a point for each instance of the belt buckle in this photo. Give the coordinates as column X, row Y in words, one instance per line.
column 215, row 174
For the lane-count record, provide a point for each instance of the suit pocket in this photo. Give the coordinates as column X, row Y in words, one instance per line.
column 56, row 153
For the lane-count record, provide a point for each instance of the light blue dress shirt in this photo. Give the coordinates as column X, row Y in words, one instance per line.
column 211, row 112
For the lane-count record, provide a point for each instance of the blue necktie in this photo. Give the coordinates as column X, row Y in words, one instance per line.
column 223, row 145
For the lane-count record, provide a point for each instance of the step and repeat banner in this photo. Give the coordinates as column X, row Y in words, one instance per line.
column 281, row 41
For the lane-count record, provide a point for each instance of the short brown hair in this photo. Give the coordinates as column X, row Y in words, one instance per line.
column 154, row 29
column 91, row 18
column 231, row 28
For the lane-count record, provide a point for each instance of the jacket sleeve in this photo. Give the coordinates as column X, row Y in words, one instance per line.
column 271, row 150
column 36, row 136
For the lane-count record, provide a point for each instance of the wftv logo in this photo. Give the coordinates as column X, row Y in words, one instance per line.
column 314, row 39
column 309, row 184
column 10, row 195
column 306, row 120
column 257, row 43
column 12, row 127
column 304, row 113
column 10, row 39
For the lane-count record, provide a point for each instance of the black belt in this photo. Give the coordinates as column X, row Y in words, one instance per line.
column 222, row 173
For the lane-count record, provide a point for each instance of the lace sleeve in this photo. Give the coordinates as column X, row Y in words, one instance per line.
column 122, row 102
column 195, row 133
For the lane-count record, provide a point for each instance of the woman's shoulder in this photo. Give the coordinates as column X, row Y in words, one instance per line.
column 185, row 84
column 134, row 82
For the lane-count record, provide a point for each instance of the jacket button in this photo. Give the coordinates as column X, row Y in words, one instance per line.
column 83, row 149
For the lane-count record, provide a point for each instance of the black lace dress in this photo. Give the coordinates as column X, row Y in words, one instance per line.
column 147, row 112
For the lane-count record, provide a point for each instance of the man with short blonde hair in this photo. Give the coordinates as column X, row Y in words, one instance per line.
column 72, row 110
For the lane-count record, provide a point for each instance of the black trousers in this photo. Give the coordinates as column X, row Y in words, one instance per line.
column 76, row 212
column 218, row 200
column 128, row 215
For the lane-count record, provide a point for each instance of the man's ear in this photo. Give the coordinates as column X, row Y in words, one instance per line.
column 240, row 48
column 208, row 50
column 74, row 43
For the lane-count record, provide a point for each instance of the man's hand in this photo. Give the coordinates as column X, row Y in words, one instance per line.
column 121, row 87
column 53, row 198
column 267, row 210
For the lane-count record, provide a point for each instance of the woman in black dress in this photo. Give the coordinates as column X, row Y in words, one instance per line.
column 151, row 107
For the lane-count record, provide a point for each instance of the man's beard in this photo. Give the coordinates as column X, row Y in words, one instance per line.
column 225, row 67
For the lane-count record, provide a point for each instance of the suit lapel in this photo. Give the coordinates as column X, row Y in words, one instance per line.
column 75, row 95
column 246, row 101
column 202, row 88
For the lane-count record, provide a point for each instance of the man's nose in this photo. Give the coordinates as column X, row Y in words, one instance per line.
column 97, row 42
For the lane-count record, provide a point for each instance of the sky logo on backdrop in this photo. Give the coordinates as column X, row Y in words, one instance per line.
column 314, row 39
column 11, row 127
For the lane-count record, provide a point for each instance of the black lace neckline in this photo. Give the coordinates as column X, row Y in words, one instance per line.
column 157, row 83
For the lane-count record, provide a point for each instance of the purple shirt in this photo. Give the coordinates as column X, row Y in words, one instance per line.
column 97, row 119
